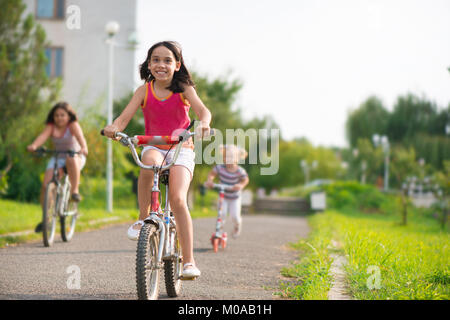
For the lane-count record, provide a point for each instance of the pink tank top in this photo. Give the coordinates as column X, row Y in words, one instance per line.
column 66, row 142
column 165, row 116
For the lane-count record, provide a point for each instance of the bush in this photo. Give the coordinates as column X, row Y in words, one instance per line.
column 351, row 194
column 24, row 178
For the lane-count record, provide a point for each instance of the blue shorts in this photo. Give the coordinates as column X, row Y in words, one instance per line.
column 62, row 162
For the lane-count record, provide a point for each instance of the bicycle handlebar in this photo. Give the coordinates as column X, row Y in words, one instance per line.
column 220, row 186
column 133, row 142
column 71, row 153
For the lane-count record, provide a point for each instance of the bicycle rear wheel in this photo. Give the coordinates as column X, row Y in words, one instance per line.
column 173, row 269
column 147, row 268
column 49, row 213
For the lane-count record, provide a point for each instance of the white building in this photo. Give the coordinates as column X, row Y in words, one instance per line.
column 78, row 52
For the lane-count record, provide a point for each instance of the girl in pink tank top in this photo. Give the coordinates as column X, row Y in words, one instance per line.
column 165, row 99
column 165, row 116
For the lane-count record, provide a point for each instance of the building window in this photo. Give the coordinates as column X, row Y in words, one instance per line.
column 50, row 9
column 54, row 66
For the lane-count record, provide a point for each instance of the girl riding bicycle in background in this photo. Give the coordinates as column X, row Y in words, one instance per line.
column 165, row 99
column 230, row 173
column 64, row 130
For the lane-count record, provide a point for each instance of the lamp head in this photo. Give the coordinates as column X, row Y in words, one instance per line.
column 111, row 28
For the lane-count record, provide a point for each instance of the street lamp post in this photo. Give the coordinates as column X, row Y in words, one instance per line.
column 111, row 29
column 363, row 168
column 306, row 168
column 384, row 143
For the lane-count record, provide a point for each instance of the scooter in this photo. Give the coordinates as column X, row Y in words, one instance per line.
column 219, row 237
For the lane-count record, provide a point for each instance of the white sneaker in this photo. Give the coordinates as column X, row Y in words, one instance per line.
column 190, row 273
column 133, row 234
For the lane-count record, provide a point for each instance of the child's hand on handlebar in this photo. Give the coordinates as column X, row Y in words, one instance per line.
column 31, row 148
column 209, row 184
column 203, row 130
column 110, row 131
column 84, row 151
column 236, row 187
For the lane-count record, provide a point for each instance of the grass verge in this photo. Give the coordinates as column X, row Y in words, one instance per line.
column 310, row 279
column 386, row 261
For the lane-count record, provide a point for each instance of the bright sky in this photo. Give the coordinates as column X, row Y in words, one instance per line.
column 309, row 62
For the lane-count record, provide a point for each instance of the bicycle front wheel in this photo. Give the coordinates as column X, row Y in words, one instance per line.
column 147, row 267
column 69, row 217
column 173, row 269
column 49, row 213
column 68, row 222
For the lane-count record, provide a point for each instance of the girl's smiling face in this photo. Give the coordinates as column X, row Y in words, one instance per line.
column 61, row 118
column 163, row 64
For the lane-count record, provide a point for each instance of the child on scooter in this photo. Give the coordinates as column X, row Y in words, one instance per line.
column 230, row 173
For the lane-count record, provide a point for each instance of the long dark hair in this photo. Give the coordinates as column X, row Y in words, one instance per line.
column 180, row 77
column 66, row 107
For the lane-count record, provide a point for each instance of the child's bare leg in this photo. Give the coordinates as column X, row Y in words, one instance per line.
column 179, row 181
column 145, row 182
column 47, row 177
column 73, row 165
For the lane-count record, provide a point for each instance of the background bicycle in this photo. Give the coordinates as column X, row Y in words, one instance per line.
column 57, row 201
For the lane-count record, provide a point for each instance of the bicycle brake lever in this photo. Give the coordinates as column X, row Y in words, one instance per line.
column 183, row 136
column 124, row 142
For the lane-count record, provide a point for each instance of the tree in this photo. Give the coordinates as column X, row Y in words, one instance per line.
column 219, row 95
column 365, row 154
column 442, row 179
column 26, row 92
column 404, row 164
column 411, row 116
column 371, row 117
column 414, row 122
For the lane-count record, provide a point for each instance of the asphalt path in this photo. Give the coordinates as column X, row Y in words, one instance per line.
column 104, row 263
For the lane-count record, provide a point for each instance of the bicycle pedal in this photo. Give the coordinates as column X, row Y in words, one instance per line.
column 169, row 258
column 187, row 279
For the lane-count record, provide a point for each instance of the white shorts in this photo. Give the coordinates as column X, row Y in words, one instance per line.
column 186, row 158
column 62, row 162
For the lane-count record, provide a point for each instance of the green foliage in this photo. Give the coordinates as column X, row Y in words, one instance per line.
column 366, row 155
column 353, row 195
column 413, row 115
column 290, row 173
column 25, row 184
column 371, row 117
column 403, row 164
column 414, row 123
column 219, row 96
column 25, row 94
column 136, row 125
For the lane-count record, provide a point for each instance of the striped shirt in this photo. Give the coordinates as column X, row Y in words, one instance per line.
column 230, row 178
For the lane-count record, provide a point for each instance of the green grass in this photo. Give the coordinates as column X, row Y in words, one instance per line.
column 18, row 216
column 413, row 260
column 310, row 275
